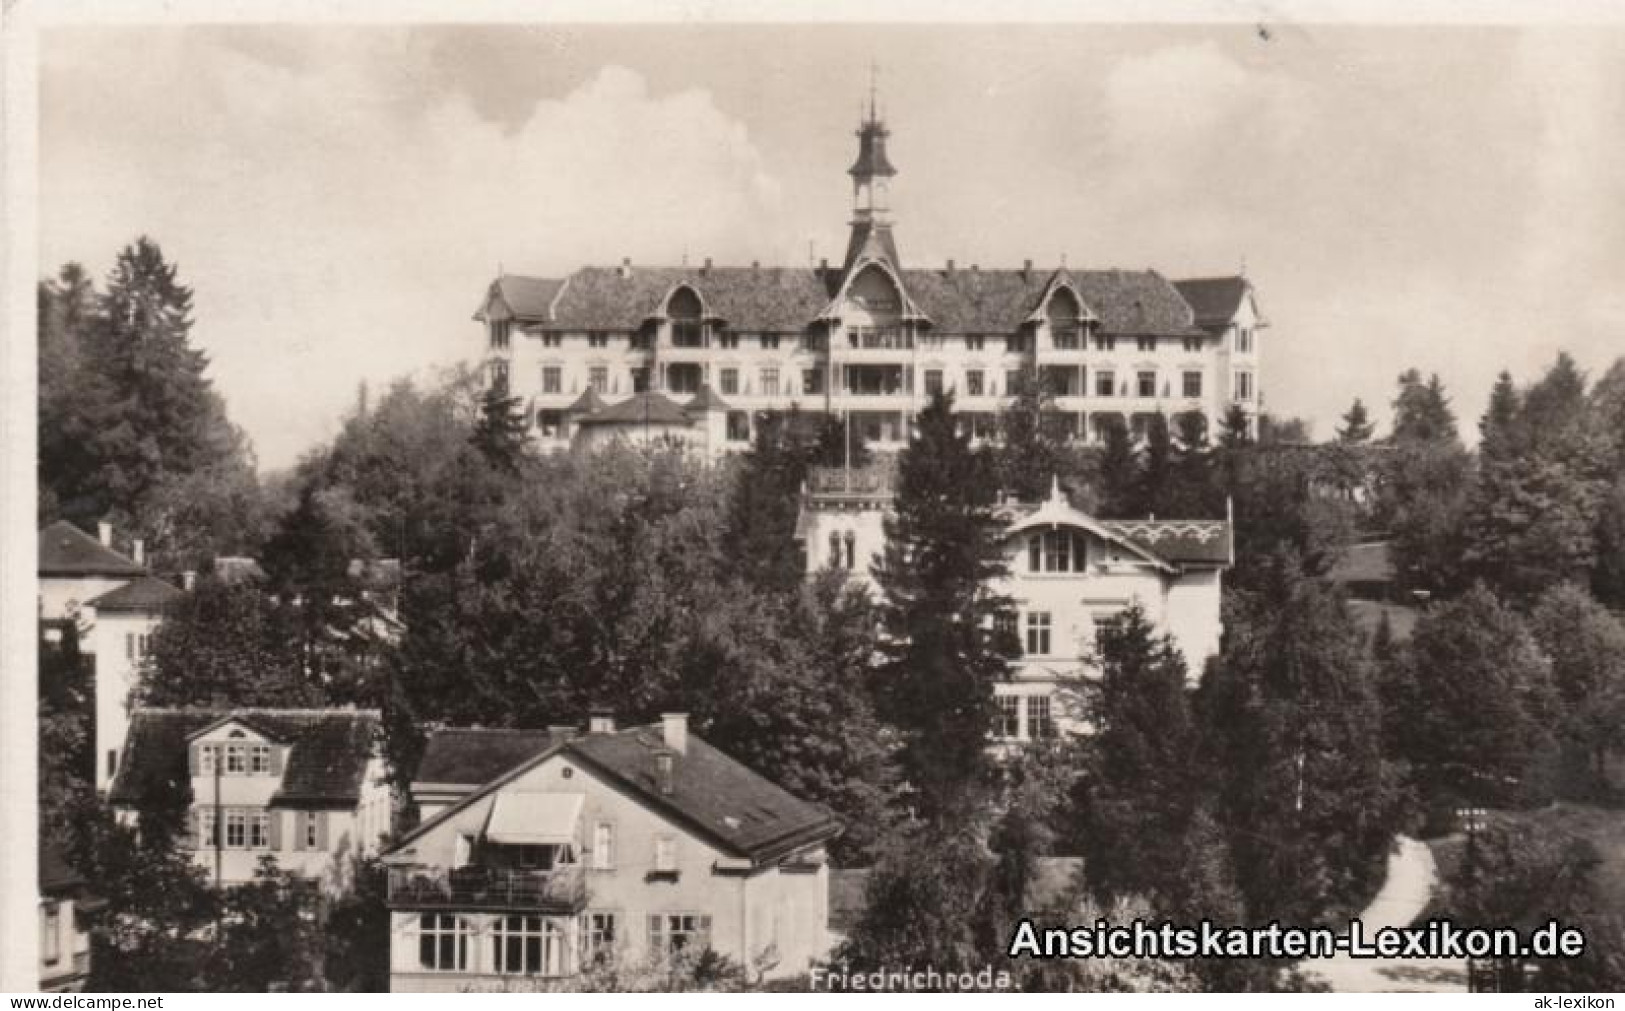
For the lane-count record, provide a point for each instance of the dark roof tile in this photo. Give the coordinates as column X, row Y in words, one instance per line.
column 143, row 593
column 1214, row 300
column 330, row 750
column 65, row 550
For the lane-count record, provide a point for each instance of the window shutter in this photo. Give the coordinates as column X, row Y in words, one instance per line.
column 321, row 829
column 657, row 932
column 277, row 753
column 274, row 817
column 194, row 762
column 705, row 932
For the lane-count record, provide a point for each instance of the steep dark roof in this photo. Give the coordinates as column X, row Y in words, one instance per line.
column 1201, row 542
column 465, row 757
column 713, row 794
column 330, row 749
column 791, row 298
column 56, row 875
column 1215, row 300
column 143, row 593
column 65, row 550
column 528, row 298
column 587, row 403
column 746, row 298
column 706, row 400
column 648, row 408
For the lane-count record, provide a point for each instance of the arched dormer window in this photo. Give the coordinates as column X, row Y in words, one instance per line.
column 687, row 317
column 1065, row 316
column 874, row 311
column 1057, row 551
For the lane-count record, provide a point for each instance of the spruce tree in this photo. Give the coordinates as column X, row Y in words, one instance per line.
column 1293, row 729
column 1422, row 410
column 765, row 502
column 1119, row 472
column 1030, row 452
column 1357, row 428
column 948, row 636
column 1143, row 782
column 501, row 434
column 1195, row 493
column 1154, row 489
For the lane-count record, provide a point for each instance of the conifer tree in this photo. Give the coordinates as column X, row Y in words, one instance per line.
column 502, row 432
column 1030, row 453
column 1422, row 410
column 1155, row 487
column 1119, row 471
column 948, row 636
column 1357, row 428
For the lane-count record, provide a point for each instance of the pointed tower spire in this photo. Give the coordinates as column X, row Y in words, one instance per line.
column 871, row 185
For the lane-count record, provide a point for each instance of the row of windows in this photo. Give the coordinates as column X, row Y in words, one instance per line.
column 525, row 945
column 250, row 828
column 238, row 759
column 693, row 334
column 887, row 380
column 1040, row 719
column 1037, row 626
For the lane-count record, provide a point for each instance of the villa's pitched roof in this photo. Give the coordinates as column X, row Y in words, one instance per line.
column 716, row 796
column 588, row 403
column 527, row 298
column 65, row 550
column 781, row 299
column 56, row 875
column 1183, row 542
column 143, row 593
column 647, row 408
column 1215, row 300
column 325, row 766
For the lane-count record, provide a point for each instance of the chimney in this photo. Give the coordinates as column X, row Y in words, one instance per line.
column 707, row 268
column 601, row 720
column 138, row 551
column 974, row 268
column 756, row 265
column 663, row 772
column 1026, row 267
column 188, row 579
column 626, row 266
column 674, row 728
column 950, row 266
column 823, row 264
column 104, row 533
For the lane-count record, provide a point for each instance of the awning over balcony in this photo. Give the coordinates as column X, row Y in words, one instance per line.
column 520, row 818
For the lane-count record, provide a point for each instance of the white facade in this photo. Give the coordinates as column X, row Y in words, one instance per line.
column 120, row 642
column 609, row 874
column 1068, row 572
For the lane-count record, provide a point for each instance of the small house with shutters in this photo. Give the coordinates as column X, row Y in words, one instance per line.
column 305, row 786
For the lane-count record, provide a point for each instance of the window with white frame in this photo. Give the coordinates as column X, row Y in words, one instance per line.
column 1191, row 384
column 236, row 759
column 598, row 378
column 1105, row 342
column 500, row 331
column 527, row 946
column 50, row 941
column 1147, row 384
column 1055, row 551
column 309, row 829
column 1105, row 382
column 1244, row 386
column 552, row 340
column 443, row 942
column 603, row 846
column 552, row 379
column 665, row 854
column 974, row 382
column 1038, row 633
column 770, row 341
column 670, row 933
column 259, row 759
column 770, row 382
column 599, row 936
column 1193, row 345
column 1007, row 720
column 1146, row 344
column 1244, row 340
column 730, row 381
column 598, row 339
column 727, row 339
column 975, row 341
column 1040, row 721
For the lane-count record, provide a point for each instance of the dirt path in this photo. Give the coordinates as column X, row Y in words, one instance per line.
column 1403, row 897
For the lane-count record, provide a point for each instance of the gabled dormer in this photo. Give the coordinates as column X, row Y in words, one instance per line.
column 233, row 746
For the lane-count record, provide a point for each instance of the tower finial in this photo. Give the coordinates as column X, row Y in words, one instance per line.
column 874, row 74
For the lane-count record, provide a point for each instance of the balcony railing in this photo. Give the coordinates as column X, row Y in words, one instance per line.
column 561, row 890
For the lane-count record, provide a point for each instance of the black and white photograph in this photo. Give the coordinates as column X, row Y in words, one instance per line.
column 700, row 498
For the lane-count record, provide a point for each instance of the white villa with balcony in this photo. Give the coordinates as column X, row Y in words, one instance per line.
column 544, row 852
column 1068, row 573
column 869, row 338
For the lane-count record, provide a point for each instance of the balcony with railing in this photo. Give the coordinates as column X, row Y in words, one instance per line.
column 560, row 890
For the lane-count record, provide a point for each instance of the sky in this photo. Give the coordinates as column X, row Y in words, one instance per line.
column 1450, row 199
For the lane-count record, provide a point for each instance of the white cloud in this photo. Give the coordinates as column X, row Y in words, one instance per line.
column 338, row 229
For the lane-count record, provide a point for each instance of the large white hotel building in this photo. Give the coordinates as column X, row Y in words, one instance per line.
column 698, row 352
